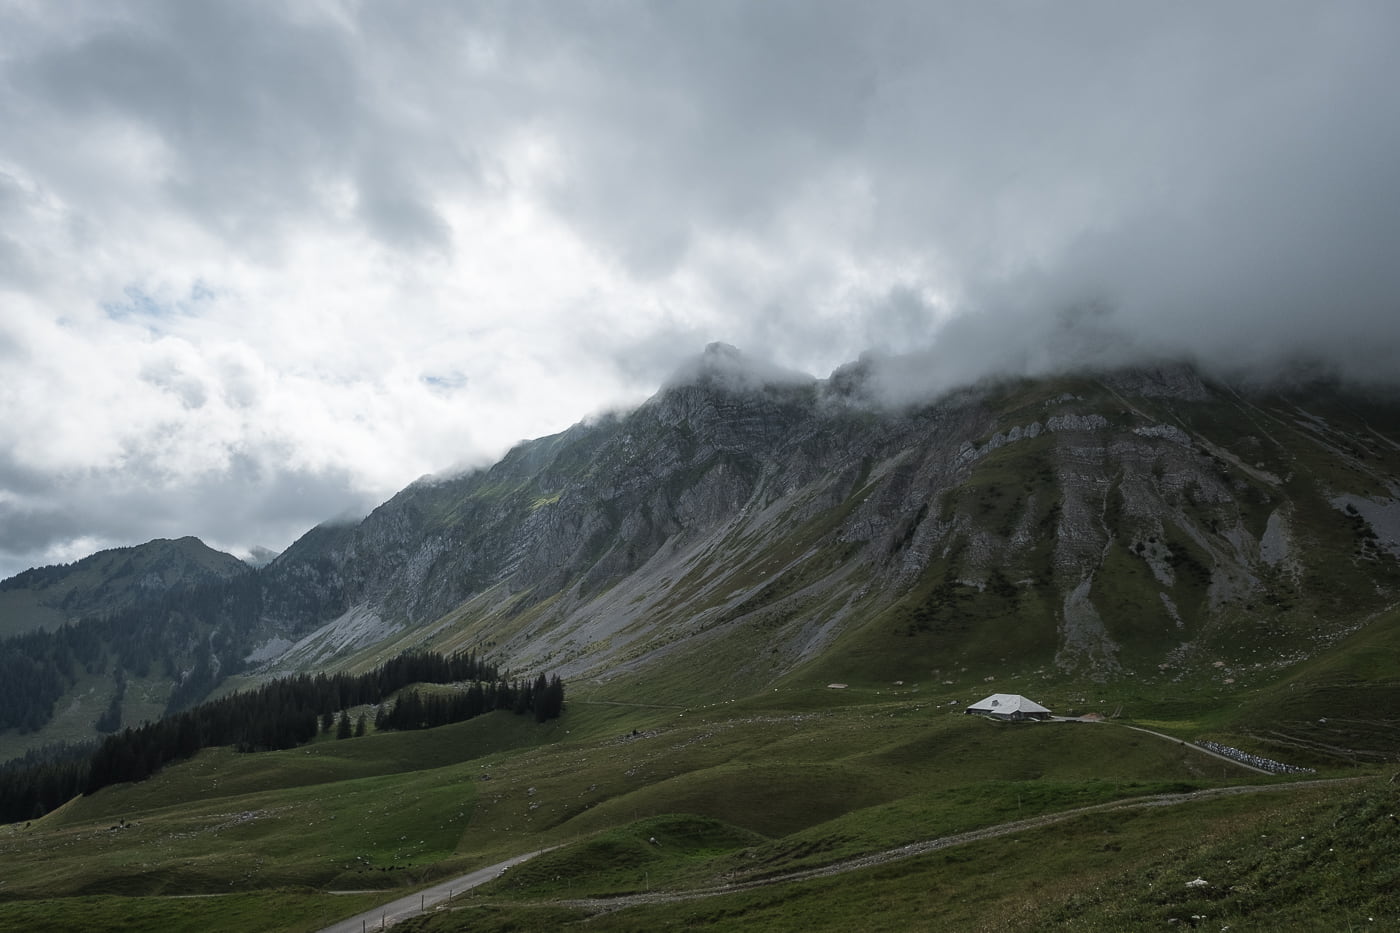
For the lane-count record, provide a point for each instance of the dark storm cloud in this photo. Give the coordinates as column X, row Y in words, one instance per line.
column 15, row 262
column 681, row 119
column 235, row 509
column 254, row 114
column 1221, row 177
column 397, row 214
column 966, row 189
column 1218, row 155
column 28, row 523
column 1281, row 242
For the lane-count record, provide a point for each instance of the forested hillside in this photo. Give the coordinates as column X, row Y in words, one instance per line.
column 281, row 714
column 746, row 526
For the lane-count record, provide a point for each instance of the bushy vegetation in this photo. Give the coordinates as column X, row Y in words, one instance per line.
column 648, row 801
column 651, row 799
column 1332, row 863
column 544, row 698
column 281, row 714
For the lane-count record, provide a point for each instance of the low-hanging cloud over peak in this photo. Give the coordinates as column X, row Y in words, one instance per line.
column 263, row 263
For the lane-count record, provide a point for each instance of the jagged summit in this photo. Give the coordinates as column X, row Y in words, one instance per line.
column 739, row 529
column 852, row 380
column 726, row 367
column 1114, row 521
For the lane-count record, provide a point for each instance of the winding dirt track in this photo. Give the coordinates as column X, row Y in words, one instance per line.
column 436, row 896
column 418, row 902
column 932, row 845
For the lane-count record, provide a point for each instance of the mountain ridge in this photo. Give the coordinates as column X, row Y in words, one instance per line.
column 108, row 580
column 718, row 464
column 745, row 527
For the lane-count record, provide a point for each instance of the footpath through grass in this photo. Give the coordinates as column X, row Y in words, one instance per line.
column 1313, row 859
column 251, row 912
column 727, row 790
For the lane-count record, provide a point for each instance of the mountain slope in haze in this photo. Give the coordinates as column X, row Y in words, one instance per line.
column 747, row 527
column 47, row 597
column 743, row 525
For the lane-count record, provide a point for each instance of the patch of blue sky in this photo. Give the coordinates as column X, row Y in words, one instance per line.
column 138, row 303
column 444, row 383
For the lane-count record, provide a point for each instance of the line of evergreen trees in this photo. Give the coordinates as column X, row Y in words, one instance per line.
column 412, row 710
column 279, row 714
column 194, row 635
column 43, row 779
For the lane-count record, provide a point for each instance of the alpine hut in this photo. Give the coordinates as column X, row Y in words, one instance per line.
column 1008, row 706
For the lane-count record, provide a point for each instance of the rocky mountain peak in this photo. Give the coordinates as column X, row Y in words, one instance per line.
column 725, row 367
column 110, row 580
column 745, row 521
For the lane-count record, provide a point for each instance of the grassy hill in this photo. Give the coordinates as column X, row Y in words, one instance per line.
column 794, row 779
column 47, row 597
column 1103, row 529
column 771, row 611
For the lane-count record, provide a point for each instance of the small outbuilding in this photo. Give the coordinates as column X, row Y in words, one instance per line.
column 1008, row 706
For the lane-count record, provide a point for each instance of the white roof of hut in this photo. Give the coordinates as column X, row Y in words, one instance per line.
column 1005, row 704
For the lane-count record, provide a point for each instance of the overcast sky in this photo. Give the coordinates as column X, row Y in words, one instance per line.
column 262, row 264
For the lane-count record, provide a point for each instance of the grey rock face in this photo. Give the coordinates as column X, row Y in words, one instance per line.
column 737, row 502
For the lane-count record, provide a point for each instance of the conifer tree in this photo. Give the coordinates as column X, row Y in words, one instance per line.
column 537, row 697
column 279, row 714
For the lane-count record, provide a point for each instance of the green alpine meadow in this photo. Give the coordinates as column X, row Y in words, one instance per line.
column 770, row 466
column 709, row 664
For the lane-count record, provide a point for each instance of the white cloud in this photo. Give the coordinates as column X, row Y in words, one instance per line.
column 260, row 264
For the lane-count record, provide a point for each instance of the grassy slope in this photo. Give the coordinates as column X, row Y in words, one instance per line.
column 795, row 778
column 21, row 611
column 804, row 775
column 1344, row 704
column 229, row 913
column 1298, row 861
